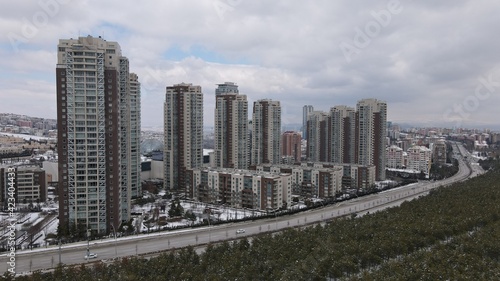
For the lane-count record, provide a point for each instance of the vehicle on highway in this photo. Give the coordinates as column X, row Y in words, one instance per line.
column 239, row 231
column 91, row 256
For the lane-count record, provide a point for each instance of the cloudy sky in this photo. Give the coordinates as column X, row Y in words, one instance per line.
column 433, row 62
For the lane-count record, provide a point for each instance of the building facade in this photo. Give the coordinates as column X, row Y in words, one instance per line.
column 291, row 144
column 320, row 180
column 343, row 134
column 371, row 132
column 318, row 147
column 395, row 157
column 230, row 127
column 135, row 136
column 266, row 132
column 419, row 159
column 305, row 112
column 94, row 134
column 227, row 87
column 29, row 182
column 439, row 153
column 240, row 188
column 183, row 133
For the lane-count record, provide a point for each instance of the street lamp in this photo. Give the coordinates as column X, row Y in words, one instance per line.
column 59, row 242
column 88, row 244
column 114, row 232
column 275, row 221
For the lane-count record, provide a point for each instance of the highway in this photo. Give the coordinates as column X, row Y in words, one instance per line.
column 107, row 249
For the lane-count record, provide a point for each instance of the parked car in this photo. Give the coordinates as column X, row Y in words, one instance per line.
column 239, row 231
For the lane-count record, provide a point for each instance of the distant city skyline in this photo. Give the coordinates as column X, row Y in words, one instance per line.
column 436, row 66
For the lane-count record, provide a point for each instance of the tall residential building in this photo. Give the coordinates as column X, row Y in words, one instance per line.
column 305, row 112
column 266, row 132
column 291, row 145
column 230, row 127
column 96, row 133
column 318, row 137
column 227, row 87
column 135, row 136
column 371, row 134
column 343, row 134
column 183, row 127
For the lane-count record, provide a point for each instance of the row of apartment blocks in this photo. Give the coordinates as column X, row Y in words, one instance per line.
column 269, row 186
column 348, row 135
column 240, row 145
column 417, row 158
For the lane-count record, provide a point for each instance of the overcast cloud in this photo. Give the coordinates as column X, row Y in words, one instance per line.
column 434, row 62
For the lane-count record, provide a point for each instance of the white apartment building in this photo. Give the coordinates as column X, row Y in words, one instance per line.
column 240, row 188
column 317, row 179
column 394, row 157
column 419, row 159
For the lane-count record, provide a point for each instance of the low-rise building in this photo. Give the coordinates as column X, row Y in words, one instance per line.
column 321, row 179
column 419, row 158
column 240, row 188
column 29, row 183
column 394, row 157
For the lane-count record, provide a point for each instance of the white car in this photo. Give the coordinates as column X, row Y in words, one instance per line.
column 240, row 231
column 91, row 256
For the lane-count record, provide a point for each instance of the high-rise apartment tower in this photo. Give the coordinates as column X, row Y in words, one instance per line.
column 343, row 134
column 266, row 132
column 306, row 110
column 230, row 128
column 371, row 131
column 183, row 127
column 98, row 134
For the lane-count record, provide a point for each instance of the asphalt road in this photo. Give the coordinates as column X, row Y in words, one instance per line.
column 107, row 249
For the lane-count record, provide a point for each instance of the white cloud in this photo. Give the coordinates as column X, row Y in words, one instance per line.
column 424, row 61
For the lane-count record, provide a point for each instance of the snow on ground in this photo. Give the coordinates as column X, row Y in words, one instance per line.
column 27, row 137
